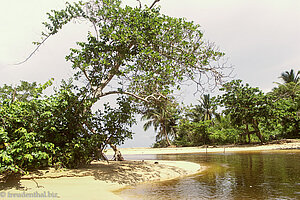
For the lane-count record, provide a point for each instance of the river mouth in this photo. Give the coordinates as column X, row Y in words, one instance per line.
column 238, row 175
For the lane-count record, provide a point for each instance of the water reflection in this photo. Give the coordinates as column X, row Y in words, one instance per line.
column 262, row 175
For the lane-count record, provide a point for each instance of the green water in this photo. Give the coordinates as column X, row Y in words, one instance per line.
column 257, row 175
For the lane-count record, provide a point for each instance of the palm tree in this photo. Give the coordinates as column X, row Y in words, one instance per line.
column 163, row 119
column 205, row 111
column 289, row 77
column 196, row 113
column 207, row 107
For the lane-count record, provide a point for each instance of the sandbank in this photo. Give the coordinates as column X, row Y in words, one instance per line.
column 97, row 181
column 277, row 145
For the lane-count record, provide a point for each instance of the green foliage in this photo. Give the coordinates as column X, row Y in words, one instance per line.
column 21, row 150
column 21, row 147
column 201, row 125
column 224, row 136
column 163, row 117
column 248, row 112
column 290, row 77
column 58, row 130
column 206, row 110
column 247, row 107
column 286, row 103
column 22, row 92
column 25, row 153
column 114, row 123
column 159, row 143
column 224, row 132
column 193, row 133
column 147, row 53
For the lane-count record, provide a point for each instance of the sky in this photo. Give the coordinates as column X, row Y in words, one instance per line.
column 260, row 38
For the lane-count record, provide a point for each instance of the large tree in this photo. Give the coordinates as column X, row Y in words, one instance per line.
column 247, row 107
column 144, row 53
column 136, row 52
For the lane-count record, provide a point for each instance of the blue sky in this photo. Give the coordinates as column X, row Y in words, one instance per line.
column 261, row 39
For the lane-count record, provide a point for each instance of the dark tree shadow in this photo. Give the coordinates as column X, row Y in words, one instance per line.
column 121, row 172
column 12, row 182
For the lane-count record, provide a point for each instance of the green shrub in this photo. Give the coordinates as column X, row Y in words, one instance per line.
column 18, row 155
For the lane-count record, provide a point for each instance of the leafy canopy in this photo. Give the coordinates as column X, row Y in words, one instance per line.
column 246, row 106
column 147, row 53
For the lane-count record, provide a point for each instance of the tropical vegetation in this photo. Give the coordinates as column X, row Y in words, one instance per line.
column 140, row 58
column 245, row 114
column 136, row 55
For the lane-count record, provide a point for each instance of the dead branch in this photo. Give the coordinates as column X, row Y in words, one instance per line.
column 123, row 92
column 153, row 4
column 140, row 3
column 155, row 97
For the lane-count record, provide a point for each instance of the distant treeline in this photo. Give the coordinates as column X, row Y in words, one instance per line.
column 248, row 115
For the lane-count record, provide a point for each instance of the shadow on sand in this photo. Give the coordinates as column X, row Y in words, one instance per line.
column 121, row 172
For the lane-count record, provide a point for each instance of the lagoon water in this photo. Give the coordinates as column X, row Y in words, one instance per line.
column 254, row 175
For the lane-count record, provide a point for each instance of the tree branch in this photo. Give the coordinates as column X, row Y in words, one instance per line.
column 123, row 92
column 106, row 81
column 153, row 4
column 34, row 51
column 145, row 99
column 87, row 77
column 140, row 3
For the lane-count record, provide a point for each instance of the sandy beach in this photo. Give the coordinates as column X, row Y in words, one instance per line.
column 100, row 179
column 97, row 181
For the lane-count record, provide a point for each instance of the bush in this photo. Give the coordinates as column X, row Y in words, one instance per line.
column 192, row 133
column 224, row 136
column 18, row 155
column 58, row 130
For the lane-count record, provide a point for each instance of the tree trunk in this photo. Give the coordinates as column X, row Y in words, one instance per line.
column 248, row 133
column 249, row 138
column 166, row 135
column 257, row 131
column 118, row 156
column 258, row 134
column 99, row 155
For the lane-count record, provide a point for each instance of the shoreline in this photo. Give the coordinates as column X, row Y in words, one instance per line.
column 283, row 145
column 100, row 180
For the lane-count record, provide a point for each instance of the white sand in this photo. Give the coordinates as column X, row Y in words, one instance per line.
column 99, row 180
column 291, row 144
